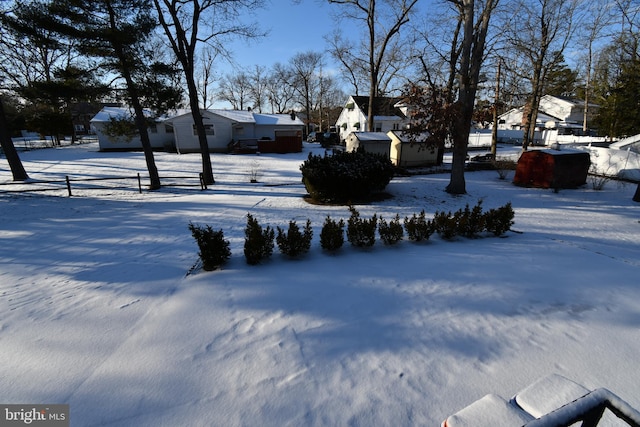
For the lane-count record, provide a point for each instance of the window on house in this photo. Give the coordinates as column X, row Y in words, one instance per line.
column 208, row 130
column 378, row 127
column 153, row 128
column 396, row 126
column 168, row 129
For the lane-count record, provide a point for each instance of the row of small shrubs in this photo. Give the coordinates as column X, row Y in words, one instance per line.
column 361, row 232
column 346, row 176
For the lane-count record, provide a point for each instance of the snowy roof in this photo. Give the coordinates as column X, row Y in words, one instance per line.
column 631, row 142
column 108, row 113
column 409, row 137
column 242, row 116
column 277, row 119
column 371, row 136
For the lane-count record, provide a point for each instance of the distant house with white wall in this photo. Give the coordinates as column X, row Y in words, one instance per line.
column 160, row 136
column 564, row 114
column 388, row 114
column 224, row 127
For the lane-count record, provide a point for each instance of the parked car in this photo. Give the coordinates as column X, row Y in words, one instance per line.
column 313, row 137
column 327, row 139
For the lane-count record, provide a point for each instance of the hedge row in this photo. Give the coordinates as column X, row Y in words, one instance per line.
column 361, row 232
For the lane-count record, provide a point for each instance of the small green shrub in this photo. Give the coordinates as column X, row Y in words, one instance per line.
column 345, row 176
column 294, row 243
column 332, row 234
column 214, row 249
column 499, row 221
column 445, row 224
column 361, row 232
column 470, row 222
column 258, row 243
column 390, row 232
column 418, row 227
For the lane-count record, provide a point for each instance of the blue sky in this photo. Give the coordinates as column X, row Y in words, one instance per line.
column 293, row 27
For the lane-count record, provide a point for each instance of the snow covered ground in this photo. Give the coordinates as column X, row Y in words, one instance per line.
column 97, row 309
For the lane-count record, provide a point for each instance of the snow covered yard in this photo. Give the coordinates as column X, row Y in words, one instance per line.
column 97, row 309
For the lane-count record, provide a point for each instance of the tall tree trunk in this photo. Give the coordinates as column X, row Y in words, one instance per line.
column 207, row 168
column 141, row 124
column 132, row 90
column 19, row 174
column 466, row 99
column 471, row 56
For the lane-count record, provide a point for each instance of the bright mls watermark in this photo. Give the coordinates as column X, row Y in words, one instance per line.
column 34, row 415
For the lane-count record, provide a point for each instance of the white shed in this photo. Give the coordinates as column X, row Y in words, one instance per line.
column 371, row 142
column 407, row 153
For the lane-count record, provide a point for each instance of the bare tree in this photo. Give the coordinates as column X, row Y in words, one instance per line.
column 539, row 34
column 383, row 20
column 279, row 91
column 206, row 73
column 471, row 56
column 304, row 69
column 183, row 23
column 235, row 89
column 597, row 18
column 258, row 81
column 354, row 66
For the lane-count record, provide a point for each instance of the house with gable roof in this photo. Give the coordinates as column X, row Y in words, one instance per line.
column 222, row 127
column 227, row 127
column 160, row 136
column 564, row 114
column 388, row 114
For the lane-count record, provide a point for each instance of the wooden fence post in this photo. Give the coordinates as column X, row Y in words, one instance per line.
column 68, row 185
column 139, row 184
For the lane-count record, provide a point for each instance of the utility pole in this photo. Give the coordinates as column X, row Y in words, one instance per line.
column 494, row 130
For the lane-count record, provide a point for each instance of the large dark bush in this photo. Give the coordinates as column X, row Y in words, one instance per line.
column 345, row 176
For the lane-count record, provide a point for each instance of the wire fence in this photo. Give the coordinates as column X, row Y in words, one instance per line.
column 71, row 184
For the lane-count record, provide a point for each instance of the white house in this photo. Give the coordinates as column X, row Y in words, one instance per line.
column 564, row 114
column 389, row 114
column 160, row 134
column 224, row 127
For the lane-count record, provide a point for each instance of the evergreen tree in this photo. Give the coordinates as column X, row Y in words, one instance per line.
column 560, row 80
column 117, row 33
column 616, row 86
